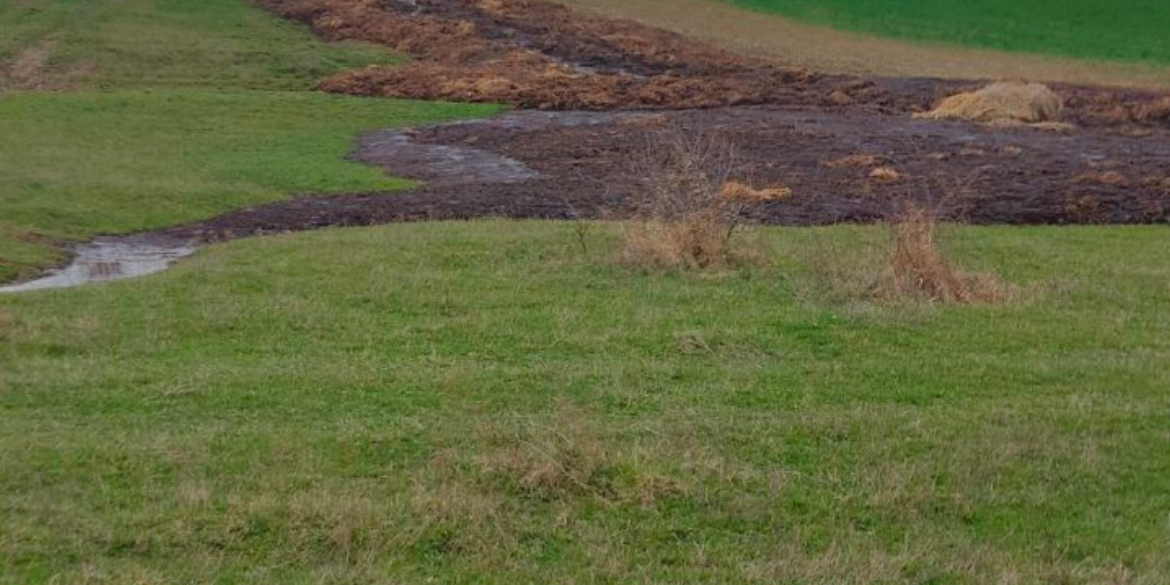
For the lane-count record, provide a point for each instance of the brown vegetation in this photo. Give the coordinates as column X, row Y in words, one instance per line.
column 918, row 270
column 553, row 459
column 1004, row 103
column 885, row 174
column 26, row 70
column 686, row 205
column 534, row 54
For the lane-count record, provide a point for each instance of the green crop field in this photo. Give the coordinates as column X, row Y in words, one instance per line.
column 1090, row 29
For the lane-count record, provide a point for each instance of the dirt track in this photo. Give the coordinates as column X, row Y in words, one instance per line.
column 823, row 136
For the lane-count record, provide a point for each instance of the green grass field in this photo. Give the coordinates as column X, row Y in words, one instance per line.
column 484, row 403
column 487, row 403
column 1089, row 29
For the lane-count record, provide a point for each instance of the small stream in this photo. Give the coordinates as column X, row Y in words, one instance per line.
column 110, row 258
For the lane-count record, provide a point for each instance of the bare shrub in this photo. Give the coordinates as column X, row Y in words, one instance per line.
column 687, row 208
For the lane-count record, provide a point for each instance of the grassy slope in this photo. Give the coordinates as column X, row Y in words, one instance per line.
column 391, row 404
column 151, row 43
column 1093, row 29
column 181, row 110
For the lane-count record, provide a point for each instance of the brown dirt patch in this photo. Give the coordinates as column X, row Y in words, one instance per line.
column 571, row 165
column 27, row 70
column 535, row 54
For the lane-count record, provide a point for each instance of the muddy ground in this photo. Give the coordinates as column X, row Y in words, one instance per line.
column 564, row 165
column 533, row 54
column 848, row 147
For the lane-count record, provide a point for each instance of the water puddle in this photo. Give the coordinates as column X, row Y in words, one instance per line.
column 107, row 259
column 399, row 154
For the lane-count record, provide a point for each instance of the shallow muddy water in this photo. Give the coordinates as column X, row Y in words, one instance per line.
column 107, row 259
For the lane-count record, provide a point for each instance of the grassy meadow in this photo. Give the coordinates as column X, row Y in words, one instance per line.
column 1087, row 29
column 503, row 402
column 167, row 111
column 485, row 403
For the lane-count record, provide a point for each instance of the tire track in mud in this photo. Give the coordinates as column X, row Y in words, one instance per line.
column 534, row 54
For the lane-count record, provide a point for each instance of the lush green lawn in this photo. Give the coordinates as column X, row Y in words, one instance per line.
column 1135, row 30
column 182, row 110
column 481, row 403
column 118, row 161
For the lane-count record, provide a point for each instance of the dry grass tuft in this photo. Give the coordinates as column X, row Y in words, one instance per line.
column 736, row 192
column 557, row 459
column 1003, row 103
column 918, row 270
column 687, row 208
column 1111, row 178
column 1154, row 111
column 885, row 174
column 909, row 265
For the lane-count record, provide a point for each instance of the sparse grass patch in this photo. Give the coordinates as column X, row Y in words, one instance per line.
column 552, row 459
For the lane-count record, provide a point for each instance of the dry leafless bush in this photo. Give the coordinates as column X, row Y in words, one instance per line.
column 687, row 208
column 911, row 265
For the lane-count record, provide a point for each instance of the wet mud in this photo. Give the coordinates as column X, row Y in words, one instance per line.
column 111, row 258
column 552, row 165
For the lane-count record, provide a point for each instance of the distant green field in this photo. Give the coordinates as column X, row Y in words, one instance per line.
column 1133, row 30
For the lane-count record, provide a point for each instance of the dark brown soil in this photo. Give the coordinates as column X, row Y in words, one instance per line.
column 575, row 165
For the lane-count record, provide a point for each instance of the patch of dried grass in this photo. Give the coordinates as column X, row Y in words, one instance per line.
column 917, row 269
column 886, row 174
column 909, row 265
column 557, row 459
column 1002, row 103
column 1110, row 178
